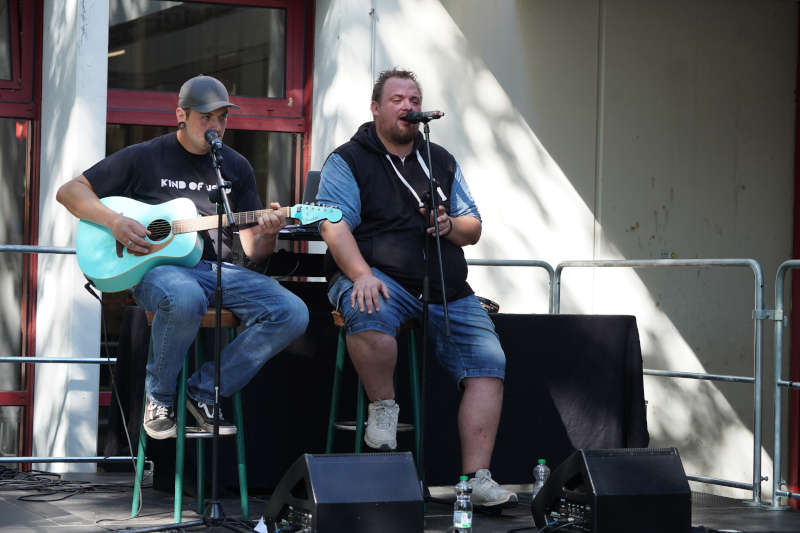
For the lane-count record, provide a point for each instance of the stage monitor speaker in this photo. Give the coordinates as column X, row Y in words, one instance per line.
column 631, row 490
column 358, row 493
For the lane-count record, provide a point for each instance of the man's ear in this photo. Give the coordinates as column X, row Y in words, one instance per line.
column 180, row 114
column 374, row 108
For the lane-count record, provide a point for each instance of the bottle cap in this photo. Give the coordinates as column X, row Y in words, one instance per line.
column 541, row 461
column 463, row 478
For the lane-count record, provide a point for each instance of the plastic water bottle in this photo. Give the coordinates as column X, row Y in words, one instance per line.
column 540, row 474
column 462, row 508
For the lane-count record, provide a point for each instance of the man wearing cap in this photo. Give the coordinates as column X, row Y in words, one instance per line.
column 177, row 165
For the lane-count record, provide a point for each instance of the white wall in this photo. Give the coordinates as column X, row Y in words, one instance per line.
column 68, row 318
column 607, row 129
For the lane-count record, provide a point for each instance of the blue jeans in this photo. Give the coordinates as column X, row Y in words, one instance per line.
column 473, row 348
column 180, row 296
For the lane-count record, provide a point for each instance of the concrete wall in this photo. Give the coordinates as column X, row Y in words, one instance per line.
column 607, row 129
column 68, row 319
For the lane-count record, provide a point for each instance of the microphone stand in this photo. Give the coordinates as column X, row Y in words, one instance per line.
column 432, row 208
column 214, row 515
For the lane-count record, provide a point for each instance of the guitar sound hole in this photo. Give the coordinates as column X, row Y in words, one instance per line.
column 159, row 230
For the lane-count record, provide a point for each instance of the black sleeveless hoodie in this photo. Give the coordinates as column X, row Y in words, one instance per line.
column 392, row 233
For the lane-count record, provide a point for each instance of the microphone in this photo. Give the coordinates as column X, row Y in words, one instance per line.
column 213, row 139
column 412, row 117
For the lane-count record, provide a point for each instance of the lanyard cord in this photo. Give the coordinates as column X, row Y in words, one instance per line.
column 408, row 186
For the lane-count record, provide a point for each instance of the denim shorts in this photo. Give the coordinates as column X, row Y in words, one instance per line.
column 473, row 348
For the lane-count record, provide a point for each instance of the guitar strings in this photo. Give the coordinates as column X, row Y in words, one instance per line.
column 159, row 229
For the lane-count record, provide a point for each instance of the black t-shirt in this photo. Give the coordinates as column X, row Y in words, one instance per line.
column 161, row 169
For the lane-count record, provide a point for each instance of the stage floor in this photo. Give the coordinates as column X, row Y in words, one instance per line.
column 102, row 503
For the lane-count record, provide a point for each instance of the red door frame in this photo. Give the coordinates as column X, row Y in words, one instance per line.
column 793, row 478
column 19, row 98
column 272, row 114
column 291, row 114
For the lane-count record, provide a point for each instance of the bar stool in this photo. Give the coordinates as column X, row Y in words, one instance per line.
column 229, row 322
column 358, row 424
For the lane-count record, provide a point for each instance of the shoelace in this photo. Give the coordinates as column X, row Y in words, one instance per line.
column 158, row 411
column 487, row 480
column 383, row 417
column 210, row 410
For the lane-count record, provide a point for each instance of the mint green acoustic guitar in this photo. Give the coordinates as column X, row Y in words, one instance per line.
column 173, row 237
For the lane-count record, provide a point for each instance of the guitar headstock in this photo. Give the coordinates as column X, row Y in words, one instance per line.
column 308, row 213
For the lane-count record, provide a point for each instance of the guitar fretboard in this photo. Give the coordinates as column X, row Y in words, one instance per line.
column 241, row 219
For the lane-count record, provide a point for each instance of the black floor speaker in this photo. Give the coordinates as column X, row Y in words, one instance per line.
column 357, row 493
column 632, row 490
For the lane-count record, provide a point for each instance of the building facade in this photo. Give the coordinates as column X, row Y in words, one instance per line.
column 603, row 129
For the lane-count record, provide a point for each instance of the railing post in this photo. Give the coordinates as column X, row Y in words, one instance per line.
column 778, row 317
column 757, row 374
column 758, row 316
column 521, row 263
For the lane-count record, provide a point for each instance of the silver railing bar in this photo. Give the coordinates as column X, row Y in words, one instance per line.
column 785, row 494
column 29, row 249
column 114, row 458
column 82, row 360
column 692, row 375
column 522, row 263
column 758, row 317
column 723, row 482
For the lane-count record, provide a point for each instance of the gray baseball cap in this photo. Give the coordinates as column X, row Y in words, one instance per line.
column 204, row 94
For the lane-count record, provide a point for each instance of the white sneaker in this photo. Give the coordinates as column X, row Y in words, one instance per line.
column 381, row 431
column 487, row 493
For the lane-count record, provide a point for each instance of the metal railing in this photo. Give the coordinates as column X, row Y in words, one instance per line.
column 27, row 249
column 778, row 317
column 554, row 296
column 522, row 263
column 759, row 314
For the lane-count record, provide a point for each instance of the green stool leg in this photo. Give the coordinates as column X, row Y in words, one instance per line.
column 360, row 408
column 200, row 444
column 238, row 419
column 180, row 440
column 140, row 455
column 415, row 394
column 337, row 378
column 180, row 446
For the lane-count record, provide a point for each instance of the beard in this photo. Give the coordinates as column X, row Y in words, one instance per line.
column 397, row 135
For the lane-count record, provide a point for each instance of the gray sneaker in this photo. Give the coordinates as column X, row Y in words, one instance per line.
column 381, row 433
column 204, row 414
column 159, row 420
column 487, row 493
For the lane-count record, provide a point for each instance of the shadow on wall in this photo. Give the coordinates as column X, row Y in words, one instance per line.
column 532, row 209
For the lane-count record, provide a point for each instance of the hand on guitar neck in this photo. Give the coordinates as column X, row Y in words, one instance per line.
column 258, row 241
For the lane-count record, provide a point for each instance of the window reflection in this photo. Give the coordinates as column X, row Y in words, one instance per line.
column 14, row 152
column 5, row 41
column 271, row 153
column 10, row 430
column 157, row 45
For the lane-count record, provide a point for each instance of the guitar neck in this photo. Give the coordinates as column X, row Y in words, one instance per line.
column 241, row 219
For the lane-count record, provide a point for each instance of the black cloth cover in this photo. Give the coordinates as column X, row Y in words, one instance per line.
column 572, row 381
